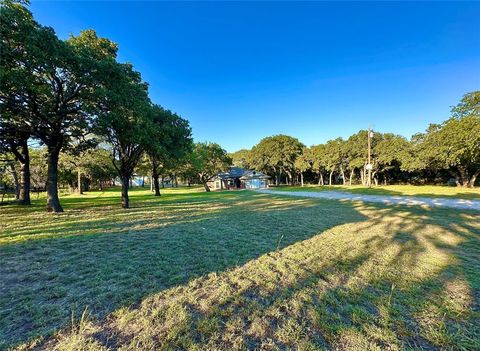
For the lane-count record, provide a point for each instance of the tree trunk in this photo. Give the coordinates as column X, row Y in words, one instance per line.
column 352, row 173
column 471, row 183
column 330, row 178
column 23, row 156
column 344, row 181
column 462, row 177
column 176, row 180
column 320, row 180
column 374, row 177
column 156, row 184
column 143, row 181
column 207, row 188
column 79, row 181
column 301, row 178
column 53, row 202
column 15, row 180
column 125, row 184
column 289, row 178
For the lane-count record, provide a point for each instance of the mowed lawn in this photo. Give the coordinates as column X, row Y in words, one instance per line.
column 237, row 271
column 434, row 191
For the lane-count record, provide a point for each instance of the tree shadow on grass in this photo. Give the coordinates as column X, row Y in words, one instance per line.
column 404, row 278
column 106, row 259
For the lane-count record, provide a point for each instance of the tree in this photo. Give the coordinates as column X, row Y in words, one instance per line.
column 38, row 168
column 8, row 170
column 303, row 162
column 125, row 121
column 173, row 141
column 15, row 25
column 97, row 167
column 241, row 158
column 143, row 168
column 454, row 145
column 332, row 157
column 53, row 83
column 317, row 153
column 388, row 154
column 276, row 154
column 14, row 139
column 207, row 160
column 356, row 151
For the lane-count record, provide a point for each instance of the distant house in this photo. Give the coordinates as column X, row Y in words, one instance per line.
column 239, row 178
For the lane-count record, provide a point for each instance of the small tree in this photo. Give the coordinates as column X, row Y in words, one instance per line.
column 14, row 139
column 173, row 141
column 332, row 157
column 125, row 121
column 317, row 158
column 304, row 162
column 207, row 160
column 388, row 154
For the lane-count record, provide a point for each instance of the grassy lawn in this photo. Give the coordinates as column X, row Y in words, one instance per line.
column 395, row 190
column 237, row 271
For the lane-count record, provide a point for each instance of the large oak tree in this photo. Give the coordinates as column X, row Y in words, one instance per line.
column 50, row 85
column 277, row 155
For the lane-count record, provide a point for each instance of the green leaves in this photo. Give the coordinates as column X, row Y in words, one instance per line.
column 208, row 159
column 277, row 152
column 454, row 145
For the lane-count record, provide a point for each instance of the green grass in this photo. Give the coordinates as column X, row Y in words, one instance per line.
column 395, row 190
column 237, row 271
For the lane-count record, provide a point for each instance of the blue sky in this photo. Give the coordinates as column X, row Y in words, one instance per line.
column 242, row 71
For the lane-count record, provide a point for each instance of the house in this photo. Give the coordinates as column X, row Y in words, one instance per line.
column 239, row 178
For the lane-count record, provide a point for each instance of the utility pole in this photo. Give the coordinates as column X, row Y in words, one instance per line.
column 369, row 163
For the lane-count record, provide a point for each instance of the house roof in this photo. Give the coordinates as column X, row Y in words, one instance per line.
column 254, row 174
column 238, row 172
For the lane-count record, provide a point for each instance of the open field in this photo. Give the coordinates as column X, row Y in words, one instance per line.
column 395, row 190
column 238, row 270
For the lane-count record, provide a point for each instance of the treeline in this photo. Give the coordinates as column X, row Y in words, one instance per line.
column 450, row 150
column 93, row 169
column 80, row 105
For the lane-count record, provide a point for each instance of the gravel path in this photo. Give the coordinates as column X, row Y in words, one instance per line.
column 396, row 200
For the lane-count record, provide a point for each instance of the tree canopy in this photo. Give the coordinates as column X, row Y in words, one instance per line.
column 276, row 154
column 207, row 160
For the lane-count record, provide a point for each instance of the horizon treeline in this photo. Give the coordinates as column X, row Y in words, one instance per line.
column 444, row 153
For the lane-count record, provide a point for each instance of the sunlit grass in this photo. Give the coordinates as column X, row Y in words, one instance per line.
column 395, row 190
column 238, row 270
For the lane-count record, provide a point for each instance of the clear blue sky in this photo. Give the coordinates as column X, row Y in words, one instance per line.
column 242, row 71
